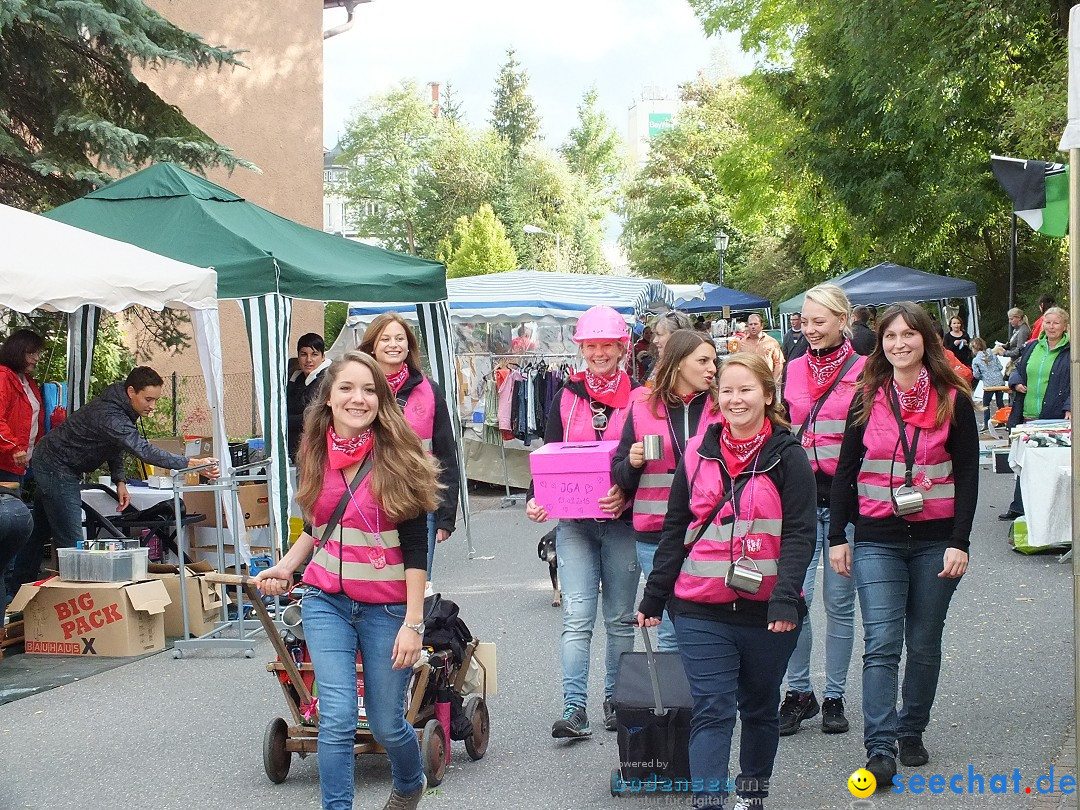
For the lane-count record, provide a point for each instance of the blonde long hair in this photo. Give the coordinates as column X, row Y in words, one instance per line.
column 404, row 478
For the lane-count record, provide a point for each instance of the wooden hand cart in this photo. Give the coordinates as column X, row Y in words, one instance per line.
column 300, row 736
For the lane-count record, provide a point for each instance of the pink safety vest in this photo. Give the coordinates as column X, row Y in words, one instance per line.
column 651, row 498
column 420, row 412
column 823, row 435
column 351, row 547
column 577, row 419
column 883, row 466
column 702, row 576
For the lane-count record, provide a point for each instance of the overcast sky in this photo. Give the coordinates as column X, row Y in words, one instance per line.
column 620, row 46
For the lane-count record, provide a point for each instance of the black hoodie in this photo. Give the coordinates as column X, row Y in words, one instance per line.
column 782, row 459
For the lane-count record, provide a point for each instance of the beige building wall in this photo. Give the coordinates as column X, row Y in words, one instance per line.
column 268, row 112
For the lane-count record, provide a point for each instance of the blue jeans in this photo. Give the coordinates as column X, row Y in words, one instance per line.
column 57, row 514
column 730, row 666
column 592, row 552
column 16, row 524
column 430, row 543
column 665, row 632
column 839, row 595
column 336, row 627
column 903, row 601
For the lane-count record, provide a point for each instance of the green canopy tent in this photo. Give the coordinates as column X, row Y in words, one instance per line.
column 265, row 261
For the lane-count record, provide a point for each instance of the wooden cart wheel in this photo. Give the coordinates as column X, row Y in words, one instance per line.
column 476, row 711
column 433, row 752
column 276, row 760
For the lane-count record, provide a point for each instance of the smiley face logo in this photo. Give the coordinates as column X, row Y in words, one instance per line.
column 861, row 783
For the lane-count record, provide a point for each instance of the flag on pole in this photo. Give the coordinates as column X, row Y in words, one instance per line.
column 1039, row 192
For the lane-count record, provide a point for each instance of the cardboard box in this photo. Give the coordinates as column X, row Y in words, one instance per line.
column 569, row 477
column 254, row 503
column 80, row 618
column 204, row 599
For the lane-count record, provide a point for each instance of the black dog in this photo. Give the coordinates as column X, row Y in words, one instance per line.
column 545, row 550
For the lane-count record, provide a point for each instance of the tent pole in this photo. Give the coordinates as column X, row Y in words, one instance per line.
column 1074, row 383
column 1012, row 262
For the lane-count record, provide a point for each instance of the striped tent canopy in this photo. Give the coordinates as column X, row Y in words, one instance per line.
column 530, row 295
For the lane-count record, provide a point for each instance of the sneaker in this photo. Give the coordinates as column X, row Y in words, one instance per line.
column 883, row 768
column 796, row 708
column 573, row 723
column 609, row 716
column 744, row 803
column 405, row 801
column 832, row 716
column 1011, row 514
column 912, row 752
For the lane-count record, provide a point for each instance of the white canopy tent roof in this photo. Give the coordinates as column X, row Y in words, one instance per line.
column 531, row 295
column 49, row 265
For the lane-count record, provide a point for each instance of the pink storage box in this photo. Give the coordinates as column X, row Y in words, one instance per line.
column 569, row 477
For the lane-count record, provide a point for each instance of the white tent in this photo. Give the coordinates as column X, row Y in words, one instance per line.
column 50, row 265
column 531, row 295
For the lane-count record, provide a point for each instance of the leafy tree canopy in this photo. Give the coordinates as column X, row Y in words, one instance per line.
column 513, row 113
column 478, row 245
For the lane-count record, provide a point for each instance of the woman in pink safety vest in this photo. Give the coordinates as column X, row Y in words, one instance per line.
column 394, row 346
column 680, row 405
column 736, row 543
column 908, row 478
column 592, row 406
column 818, row 387
column 366, row 486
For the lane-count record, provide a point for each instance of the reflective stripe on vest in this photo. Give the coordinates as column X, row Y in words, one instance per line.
column 882, row 469
column 577, row 420
column 654, row 488
column 824, row 435
column 701, row 578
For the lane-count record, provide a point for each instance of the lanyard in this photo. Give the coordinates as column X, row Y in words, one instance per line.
column 909, row 450
column 377, row 556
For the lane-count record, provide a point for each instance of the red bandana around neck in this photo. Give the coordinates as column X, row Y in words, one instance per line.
column 398, row 378
column 613, row 391
column 346, row 452
column 737, row 453
column 918, row 406
column 822, row 369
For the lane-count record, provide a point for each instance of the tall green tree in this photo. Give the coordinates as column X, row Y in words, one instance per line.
column 450, row 106
column 73, row 114
column 388, row 144
column 594, row 151
column 477, row 246
column 513, row 112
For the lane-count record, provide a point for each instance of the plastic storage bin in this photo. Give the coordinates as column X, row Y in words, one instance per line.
column 78, row 565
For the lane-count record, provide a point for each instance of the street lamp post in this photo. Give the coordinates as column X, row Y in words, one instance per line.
column 534, row 229
column 721, row 242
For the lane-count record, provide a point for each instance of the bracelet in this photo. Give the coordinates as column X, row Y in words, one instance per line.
column 417, row 628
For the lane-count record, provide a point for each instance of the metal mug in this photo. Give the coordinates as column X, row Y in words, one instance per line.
column 654, row 447
column 743, row 575
column 907, row 501
column 292, row 618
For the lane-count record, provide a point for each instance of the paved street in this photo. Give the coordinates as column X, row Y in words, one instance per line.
column 165, row 733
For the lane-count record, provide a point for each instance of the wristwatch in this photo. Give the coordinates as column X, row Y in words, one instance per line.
column 416, row 628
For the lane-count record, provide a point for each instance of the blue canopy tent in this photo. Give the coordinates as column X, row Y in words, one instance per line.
column 717, row 297
column 887, row 283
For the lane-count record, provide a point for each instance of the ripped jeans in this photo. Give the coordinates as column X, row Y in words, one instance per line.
column 592, row 553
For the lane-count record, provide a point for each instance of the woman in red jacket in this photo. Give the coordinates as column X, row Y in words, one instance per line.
column 742, row 508
column 22, row 416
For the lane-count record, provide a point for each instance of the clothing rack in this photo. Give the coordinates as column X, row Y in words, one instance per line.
column 530, row 357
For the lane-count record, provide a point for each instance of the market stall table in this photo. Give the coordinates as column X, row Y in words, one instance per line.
column 1046, row 485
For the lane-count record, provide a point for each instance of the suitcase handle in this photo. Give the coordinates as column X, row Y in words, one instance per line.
column 658, row 710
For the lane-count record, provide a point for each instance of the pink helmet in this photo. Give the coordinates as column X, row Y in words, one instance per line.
column 601, row 323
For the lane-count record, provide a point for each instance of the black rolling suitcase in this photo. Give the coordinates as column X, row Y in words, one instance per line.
column 652, row 711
